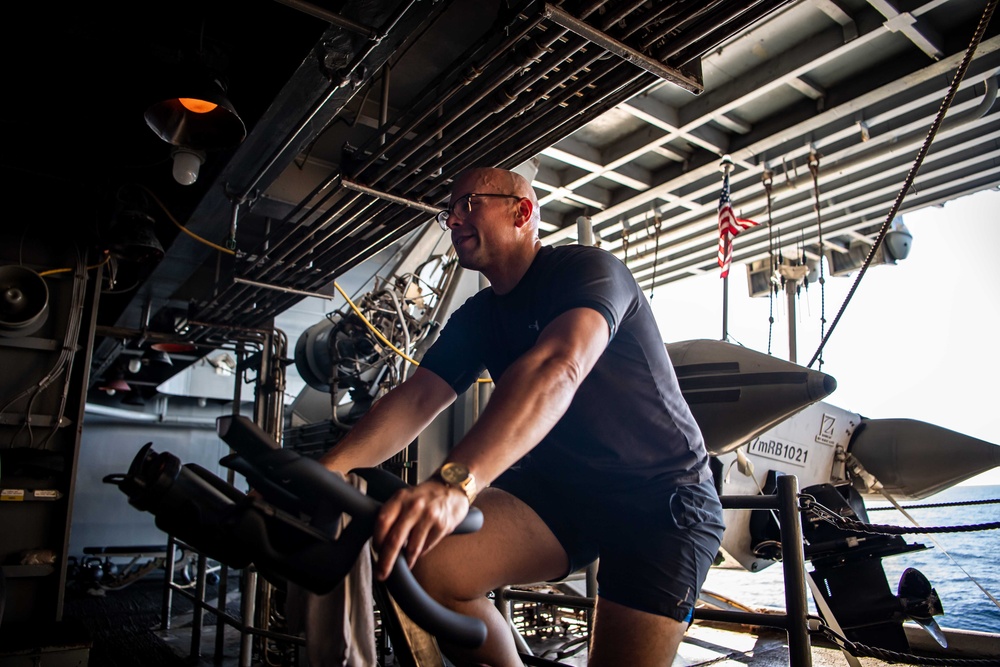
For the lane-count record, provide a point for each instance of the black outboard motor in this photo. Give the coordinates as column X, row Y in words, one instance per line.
column 292, row 531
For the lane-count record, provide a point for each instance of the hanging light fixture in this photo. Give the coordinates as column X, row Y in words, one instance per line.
column 114, row 385
column 199, row 117
column 132, row 238
column 196, row 118
column 154, row 357
column 174, row 348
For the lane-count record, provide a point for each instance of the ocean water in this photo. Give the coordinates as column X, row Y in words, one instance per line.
column 974, row 558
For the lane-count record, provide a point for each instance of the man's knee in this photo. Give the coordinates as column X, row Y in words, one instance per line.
column 444, row 578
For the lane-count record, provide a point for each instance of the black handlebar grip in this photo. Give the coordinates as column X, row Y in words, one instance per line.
column 445, row 624
column 382, row 484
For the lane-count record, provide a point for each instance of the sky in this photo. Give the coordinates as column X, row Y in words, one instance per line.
column 916, row 339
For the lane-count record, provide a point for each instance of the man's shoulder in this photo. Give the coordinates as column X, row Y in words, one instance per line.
column 578, row 253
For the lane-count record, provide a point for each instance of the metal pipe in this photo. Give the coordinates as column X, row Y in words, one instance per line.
column 330, row 17
column 499, row 78
column 790, row 294
column 198, row 613
column 555, row 599
column 535, row 116
column 762, row 502
column 383, row 105
column 665, row 28
column 282, row 262
column 710, row 38
column 623, row 51
column 315, row 242
column 247, row 610
column 395, row 199
column 168, row 598
column 287, row 290
column 628, row 83
column 793, row 569
column 162, row 418
column 462, row 64
column 470, row 123
column 359, row 57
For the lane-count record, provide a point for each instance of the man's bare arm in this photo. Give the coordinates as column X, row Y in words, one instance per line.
column 391, row 423
column 533, row 394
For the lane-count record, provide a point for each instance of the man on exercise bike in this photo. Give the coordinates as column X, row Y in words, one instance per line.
column 586, row 446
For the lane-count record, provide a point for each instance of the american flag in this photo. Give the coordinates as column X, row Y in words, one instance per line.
column 729, row 227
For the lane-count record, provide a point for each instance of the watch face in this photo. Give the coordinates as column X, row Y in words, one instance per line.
column 454, row 473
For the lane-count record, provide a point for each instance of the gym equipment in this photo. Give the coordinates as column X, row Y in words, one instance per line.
column 291, row 531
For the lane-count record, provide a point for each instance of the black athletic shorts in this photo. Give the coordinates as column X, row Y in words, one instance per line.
column 655, row 547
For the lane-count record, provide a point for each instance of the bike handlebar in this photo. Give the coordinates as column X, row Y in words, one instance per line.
column 317, row 487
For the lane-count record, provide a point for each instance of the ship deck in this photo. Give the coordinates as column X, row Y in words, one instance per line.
column 125, row 624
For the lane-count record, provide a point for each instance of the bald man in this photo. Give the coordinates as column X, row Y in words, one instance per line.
column 586, row 449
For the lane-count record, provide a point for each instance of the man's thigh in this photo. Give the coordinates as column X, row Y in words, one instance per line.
column 514, row 546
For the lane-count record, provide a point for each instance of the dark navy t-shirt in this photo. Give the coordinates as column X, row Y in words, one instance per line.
column 628, row 427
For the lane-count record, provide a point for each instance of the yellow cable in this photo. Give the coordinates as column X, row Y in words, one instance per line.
column 371, row 326
column 50, row 272
column 185, row 229
column 364, row 319
column 379, row 333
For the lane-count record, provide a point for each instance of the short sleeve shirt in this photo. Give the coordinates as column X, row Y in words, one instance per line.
column 628, row 426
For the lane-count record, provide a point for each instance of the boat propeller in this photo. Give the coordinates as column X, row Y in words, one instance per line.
column 920, row 602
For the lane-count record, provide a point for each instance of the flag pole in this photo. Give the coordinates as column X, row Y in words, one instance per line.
column 725, row 166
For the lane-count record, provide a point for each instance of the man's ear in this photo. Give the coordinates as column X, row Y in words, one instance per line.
column 524, row 211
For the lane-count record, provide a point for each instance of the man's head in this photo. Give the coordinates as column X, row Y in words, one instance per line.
column 493, row 218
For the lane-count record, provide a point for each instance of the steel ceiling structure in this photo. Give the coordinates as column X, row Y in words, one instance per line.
column 360, row 113
column 852, row 86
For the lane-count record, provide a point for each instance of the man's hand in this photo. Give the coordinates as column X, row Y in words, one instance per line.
column 414, row 520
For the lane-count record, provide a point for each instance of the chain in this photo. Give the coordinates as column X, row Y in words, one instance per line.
column 814, row 170
column 657, row 224
column 625, row 243
column 767, row 179
column 846, row 523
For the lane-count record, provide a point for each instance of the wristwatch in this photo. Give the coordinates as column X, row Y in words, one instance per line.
column 458, row 476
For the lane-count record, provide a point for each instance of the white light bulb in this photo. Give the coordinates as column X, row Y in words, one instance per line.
column 187, row 162
column 134, row 364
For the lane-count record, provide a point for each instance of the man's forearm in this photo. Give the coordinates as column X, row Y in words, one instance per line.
column 392, row 422
column 535, row 392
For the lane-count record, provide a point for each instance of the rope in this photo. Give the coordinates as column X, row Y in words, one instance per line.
column 766, row 178
column 657, row 223
column 846, row 523
column 864, row 651
column 814, row 170
column 625, row 243
column 911, row 176
column 957, row 503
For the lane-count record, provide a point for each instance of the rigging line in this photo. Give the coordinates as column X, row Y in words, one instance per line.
column 958, row 503
column 625, row 241
column 767, row 177
column 939, row 546
column 864, row 651
column 814, row 170
column 911, row 176
column 657, row 224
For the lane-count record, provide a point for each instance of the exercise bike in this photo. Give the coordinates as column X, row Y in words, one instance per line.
column 290, row 531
